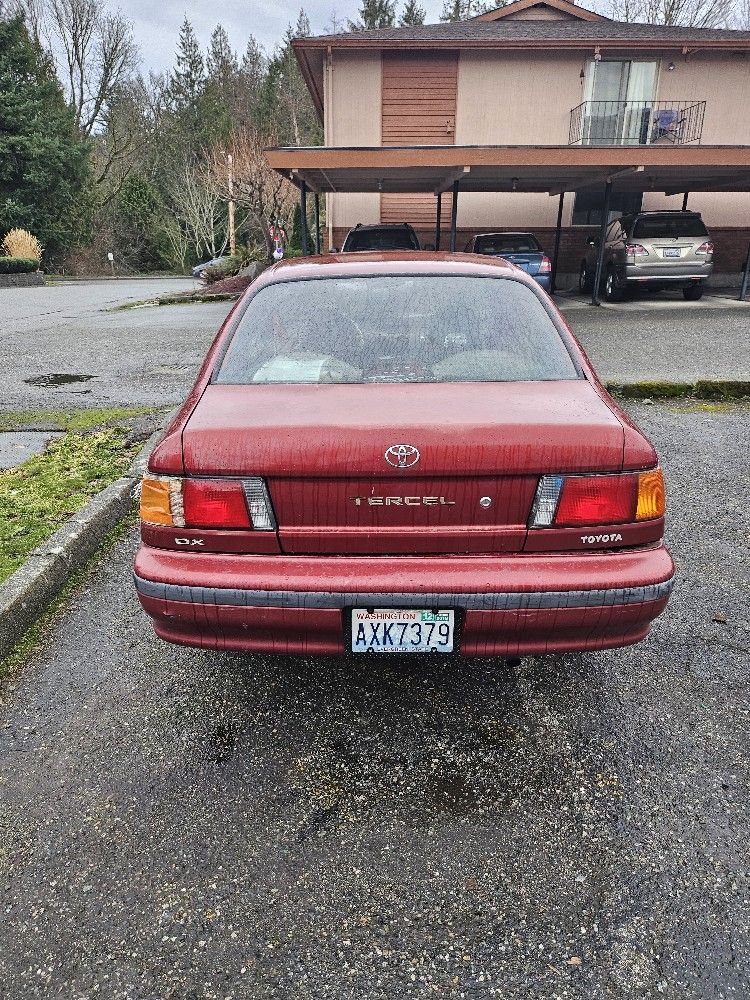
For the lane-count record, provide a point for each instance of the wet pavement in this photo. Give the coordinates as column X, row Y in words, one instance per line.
column 70, row 346
column 17, row 446
column 178, row 823
column 63, row 346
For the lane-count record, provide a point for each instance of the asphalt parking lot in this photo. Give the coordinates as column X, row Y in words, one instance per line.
column 70, row 346
column 177, row 823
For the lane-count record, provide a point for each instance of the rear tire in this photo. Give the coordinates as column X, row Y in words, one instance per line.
column 585, row 283
column 693, row 292
column 611, row 291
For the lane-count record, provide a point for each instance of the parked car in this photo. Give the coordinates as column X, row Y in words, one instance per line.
column 398, row 236
column 521, row 249
column 652, row 249
column 401, row 453
column 198, row 270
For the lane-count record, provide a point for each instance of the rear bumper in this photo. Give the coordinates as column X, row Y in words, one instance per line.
column 507, row 605
column 668, row 273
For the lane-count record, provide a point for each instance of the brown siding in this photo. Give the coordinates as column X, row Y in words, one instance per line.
column 419, row 108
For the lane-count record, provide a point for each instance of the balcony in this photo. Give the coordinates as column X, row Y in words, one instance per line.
column 636, row 123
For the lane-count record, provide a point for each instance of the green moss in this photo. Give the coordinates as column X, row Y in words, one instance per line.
column 703, row 389
column 69, row 420
column 709, row 389
column 40, row 495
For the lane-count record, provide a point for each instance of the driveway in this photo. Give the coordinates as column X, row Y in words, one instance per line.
column 64, row 346
column 180, row 823
column 663, row 338
column 101, row 357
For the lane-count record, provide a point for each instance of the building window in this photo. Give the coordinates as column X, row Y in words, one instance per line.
column 588, row 205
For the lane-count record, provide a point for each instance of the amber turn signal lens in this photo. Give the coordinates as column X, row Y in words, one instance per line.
column 650, row 495
column 156, row 506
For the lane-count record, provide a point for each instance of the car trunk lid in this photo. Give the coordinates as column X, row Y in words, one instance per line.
column 482, row 447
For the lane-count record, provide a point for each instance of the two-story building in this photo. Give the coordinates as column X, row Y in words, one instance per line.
column 534, row 73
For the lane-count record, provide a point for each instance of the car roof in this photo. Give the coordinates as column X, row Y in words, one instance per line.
column 363, row 227
column 506, row 232
column 372, row 263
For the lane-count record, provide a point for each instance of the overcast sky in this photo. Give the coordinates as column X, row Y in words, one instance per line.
column 156, row 23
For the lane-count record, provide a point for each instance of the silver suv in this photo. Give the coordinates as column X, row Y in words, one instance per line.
column 652, row 249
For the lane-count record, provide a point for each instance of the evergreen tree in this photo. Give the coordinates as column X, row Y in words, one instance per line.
column 221, row 61
column 375, row 14
column 189, row 77
column 44, row 163
column 286, row 109
column 413, row 14
column 463, row 10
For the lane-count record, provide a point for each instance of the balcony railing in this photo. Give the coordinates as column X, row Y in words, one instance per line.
column 636, row 123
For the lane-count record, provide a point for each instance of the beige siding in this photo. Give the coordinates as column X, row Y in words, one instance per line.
column 353, row 102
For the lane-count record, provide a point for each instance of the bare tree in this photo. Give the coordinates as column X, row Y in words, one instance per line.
column 267, row 197
column 93, row 47
column 691, row 13
column 199, row 209
column 741, row 19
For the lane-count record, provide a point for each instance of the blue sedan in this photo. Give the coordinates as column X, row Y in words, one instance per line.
column 521, row 249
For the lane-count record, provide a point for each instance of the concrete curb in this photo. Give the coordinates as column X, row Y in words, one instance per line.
column 27, row 593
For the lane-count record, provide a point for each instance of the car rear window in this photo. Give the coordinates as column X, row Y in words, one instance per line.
column 499, row 244
column 381, row 239
column 669, row 226
column 405, row 328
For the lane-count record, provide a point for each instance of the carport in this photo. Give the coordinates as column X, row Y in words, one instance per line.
column 556, row 170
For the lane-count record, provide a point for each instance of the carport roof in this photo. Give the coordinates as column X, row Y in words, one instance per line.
column 551, row 169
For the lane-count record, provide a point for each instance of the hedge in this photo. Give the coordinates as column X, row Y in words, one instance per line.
column 18, row 265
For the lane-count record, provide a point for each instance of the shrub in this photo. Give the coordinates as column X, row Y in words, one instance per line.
column 226, row 269
column 20, row 243
column 18, row 265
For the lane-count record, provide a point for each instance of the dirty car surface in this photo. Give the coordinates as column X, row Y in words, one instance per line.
column 401, row 452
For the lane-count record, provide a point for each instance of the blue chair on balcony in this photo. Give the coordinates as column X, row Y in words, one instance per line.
column 667, row 126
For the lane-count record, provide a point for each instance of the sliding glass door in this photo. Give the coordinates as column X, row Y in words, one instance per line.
column 619, row 95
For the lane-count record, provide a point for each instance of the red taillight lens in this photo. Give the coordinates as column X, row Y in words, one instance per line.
column 597, row 500
column 705, row 248
column 636, row 250
column 546, row 266
column 216, row 503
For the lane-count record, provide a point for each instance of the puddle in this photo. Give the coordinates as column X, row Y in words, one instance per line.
column 50, row 381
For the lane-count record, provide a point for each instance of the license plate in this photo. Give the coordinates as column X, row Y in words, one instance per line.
column 399, row 630
column 672, row 252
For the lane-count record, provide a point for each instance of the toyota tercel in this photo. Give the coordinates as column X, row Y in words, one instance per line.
column 394, row 453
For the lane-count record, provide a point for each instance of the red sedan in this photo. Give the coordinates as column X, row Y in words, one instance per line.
column 401, row 453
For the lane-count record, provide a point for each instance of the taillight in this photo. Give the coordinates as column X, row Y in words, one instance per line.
column 635, row 250
column 705, row 248
column 216, row 503
column 546, row 266
column 577, row 501
column 206, row 503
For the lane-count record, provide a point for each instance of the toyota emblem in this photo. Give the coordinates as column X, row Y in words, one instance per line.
column 402, row 456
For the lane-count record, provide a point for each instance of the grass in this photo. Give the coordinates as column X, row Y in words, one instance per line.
column 39, row 496
column 68, row 420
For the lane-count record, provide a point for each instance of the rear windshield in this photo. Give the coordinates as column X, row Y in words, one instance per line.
column 499, row 244
column 381, row 239
column 406, row 328
column 669, row 226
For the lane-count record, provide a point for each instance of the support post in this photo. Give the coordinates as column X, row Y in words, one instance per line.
column 438, row 219
column 595, row 300
column 232, row 230
column 303, row 218
column 745, row 276
column 317, row 223
column 685, row 201
column 558, row 231
column 454, row 216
